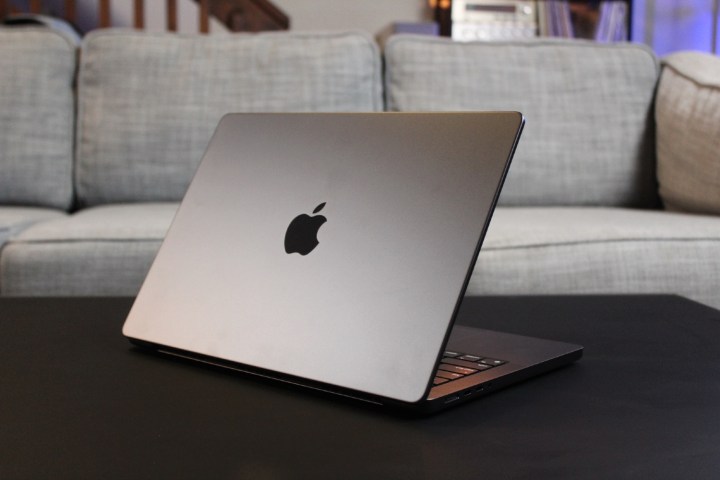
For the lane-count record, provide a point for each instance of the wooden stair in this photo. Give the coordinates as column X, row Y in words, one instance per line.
column 236, row 15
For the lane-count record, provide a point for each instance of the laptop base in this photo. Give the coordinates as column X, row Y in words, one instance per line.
column 524, row 358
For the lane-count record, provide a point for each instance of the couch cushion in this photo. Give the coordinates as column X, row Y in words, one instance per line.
column 13, row 220
column 599, row 250
column 105, row 250
column 687, row 113
column 37, row 69
column 588, row 137
column 149, row 102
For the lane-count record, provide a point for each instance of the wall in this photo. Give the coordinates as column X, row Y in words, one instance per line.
column 372, row 16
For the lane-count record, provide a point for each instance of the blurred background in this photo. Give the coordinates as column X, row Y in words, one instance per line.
column 665, row 25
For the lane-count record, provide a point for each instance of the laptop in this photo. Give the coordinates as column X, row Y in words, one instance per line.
column 333, row 250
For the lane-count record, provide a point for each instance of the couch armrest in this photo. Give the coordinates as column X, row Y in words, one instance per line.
column 687, row 113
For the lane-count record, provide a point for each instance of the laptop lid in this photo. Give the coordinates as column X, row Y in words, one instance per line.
column 332, row 247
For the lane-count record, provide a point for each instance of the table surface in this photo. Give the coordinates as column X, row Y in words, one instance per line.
column 77, row 401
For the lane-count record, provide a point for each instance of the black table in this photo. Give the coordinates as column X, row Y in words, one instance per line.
column 77, row 401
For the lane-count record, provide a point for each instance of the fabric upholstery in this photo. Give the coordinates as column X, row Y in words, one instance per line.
column 150, row 102
column 688, row 132
column 105, row 250
column 13, row 220
column 37, row 115
column 588, row 137
column 559, row 250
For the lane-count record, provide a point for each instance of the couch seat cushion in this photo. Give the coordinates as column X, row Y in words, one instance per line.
column 104, row 250
column 588, row 137
column 13, row 220
column 37, row 117
column 600, row 250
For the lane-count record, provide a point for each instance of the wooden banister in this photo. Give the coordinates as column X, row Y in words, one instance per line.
column 7, row 8
column 139, row 14
column 236, row 15
column 171, row 15
column 204, row 15
column 70, row 11
column 248, row 15
column 104, row 15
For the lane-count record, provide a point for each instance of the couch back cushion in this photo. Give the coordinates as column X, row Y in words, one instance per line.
column 687, row 113
column 148, row 102
column 37, row 114
column 588, row 138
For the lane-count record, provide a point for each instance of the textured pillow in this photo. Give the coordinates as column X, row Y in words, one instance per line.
column 588, row 137
column 688, row 132
column 149, row 102
column 37, row 114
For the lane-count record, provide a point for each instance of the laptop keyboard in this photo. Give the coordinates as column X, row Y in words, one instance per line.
column 455, row 365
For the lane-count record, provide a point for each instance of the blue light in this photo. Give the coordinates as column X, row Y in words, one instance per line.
column 674, row 25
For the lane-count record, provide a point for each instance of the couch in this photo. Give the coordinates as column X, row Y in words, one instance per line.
column 615, row 187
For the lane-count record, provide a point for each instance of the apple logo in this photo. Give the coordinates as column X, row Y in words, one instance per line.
column 301, row 235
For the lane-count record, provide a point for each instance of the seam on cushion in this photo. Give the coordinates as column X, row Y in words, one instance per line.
column 600, row 242
column 377, row 78
column 80, row 123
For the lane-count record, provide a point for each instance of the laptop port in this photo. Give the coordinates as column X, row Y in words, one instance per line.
column 452, row 399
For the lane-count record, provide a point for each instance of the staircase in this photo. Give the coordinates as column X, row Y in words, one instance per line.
column 248, row 15
column 235, row 15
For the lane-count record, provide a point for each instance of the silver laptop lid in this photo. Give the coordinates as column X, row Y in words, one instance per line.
column 400, row 200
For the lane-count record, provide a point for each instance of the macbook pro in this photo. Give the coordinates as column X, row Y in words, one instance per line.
column 333, row 250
